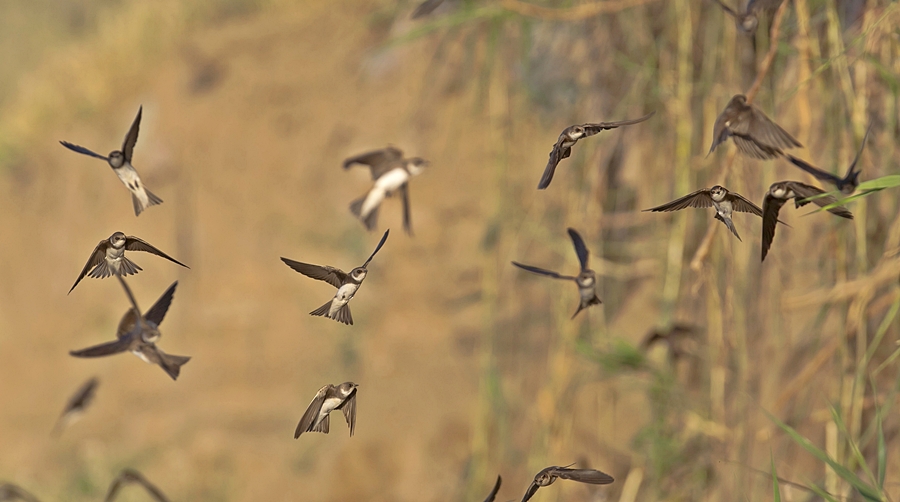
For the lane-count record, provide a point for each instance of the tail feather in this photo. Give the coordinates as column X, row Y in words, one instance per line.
column 343, row 315
column 371, row 219
column 139, row 205
column 595, row 300
column 322, row 426
column 172, row 364
column 323, row 310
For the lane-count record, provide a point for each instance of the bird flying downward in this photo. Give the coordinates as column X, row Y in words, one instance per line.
column 120, row 161
column 108, row 258
column 328, row 399
column 138, row 334
column 76, row 405
column 548, row 475
column 570, row 135
column 781, row 192
column 718, row 197
column 391, row 174
column 586, row 279
column 754, row 134
column 129, row 476
column 847, row 185
column 348, row 284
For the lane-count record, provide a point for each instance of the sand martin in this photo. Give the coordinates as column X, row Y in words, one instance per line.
column 548, row 475
column 109, row 258
column 718, row 197
column 348, row 284
column 586, row 279
column 754, row 134
column 328, row 399
column 491, row 496
column 139, row 333
column 76, row 405
column 679, row 340
column 781, row 192
column 747, row 20
column 9, row 491
column 390, row 172
column 128, row 476
column 120, row 161
column 570, row 135
column 847, row 185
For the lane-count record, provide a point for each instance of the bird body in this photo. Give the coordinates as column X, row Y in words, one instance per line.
column 391, row 173
column 781, row 192
column 751, row 130
column 108, row 257
column 724, row 201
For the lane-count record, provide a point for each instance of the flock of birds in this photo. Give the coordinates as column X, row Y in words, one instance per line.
column 754, row 134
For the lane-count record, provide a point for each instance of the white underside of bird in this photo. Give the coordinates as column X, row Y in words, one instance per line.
column 386, row 184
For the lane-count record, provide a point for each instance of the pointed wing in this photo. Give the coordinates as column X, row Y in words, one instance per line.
column 751, row 147
column 591, row 476
column 858, row 153
column 491, row 496
column 311, row 413
column 95, row 259
column 556, row 155
column 132, row 136
column 771, row 206
column 742, row 204
column 133, row 243
column 580, row 249
column 531, row 491
column 425, row 8
column 377, row 248
column 592, row 129
column 348, row 407
column 9, row 491
column 815, row 171
column 104, row 349
column 131, row 476
column 331, row 275
column 158, row 311
column 407, row 214
column 542, row 271
column 82, row 150
column 700, row 199
column 765, row 131
column 380, row 161
column 802, row 190
column 82, row 396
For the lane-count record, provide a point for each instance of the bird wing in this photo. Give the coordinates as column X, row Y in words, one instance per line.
column 158, row 311
column 580, row 249
column 311, row 413
column 83, row 150
column 407, row 214
column 9, row 491
column 591, row 476
column 744, row 205
column 815, row 171
column 802, row 191
column 491, row 496
column 379, row 161
column 133, row 243
column 532, row 489
column 132, row 136
column 348, row 408
column 700, row 199
column 748, row 145
column 556, row 155
column 592, row 129
column 425, row 8
column 97, row 257
column 377, row 248
column 542, row 271
column 82, row 396
column 331, row 275
column 104, row 349
column 767, row 132
column 858, row 153
column 771, row 206
column 132, row 476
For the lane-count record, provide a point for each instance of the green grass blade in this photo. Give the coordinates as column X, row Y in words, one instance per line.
column 776, row 495
column 858, row 456
column 881, row 451
column 867, row 491
column 864, row 189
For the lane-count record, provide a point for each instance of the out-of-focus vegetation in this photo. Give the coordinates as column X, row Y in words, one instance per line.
column 786, row 379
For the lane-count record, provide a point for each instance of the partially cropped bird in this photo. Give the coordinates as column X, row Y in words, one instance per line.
column 847, row 185
column 752, row 131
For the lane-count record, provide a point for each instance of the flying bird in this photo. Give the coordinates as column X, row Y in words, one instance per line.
column 139, row 333
column 76, row 405
column 109, row 258
column 328, row 399
column 718, row 197
column 9, row 492
column 391, row 173
column 570, row 135
column 491, row 496
column 548, row 475
column 781, row 192
column 754, row 134
column 847, row 185
column 347, row 285
column 120, row 161
column 586, row 279
column 129, row 476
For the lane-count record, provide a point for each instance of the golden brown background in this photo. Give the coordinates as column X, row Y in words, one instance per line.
column 468, row 368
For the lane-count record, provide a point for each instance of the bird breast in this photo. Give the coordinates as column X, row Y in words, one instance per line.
column 392, row 180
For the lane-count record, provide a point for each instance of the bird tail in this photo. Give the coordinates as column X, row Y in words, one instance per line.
column 140, row 205
column 172, row 364
column 581, row 306
column 730, row 224
column 323, row 310
column 126, row 268
column 370, row 220
column 322, row 426
column 343, row 315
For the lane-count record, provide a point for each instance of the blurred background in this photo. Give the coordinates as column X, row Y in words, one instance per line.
column 468, row 368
